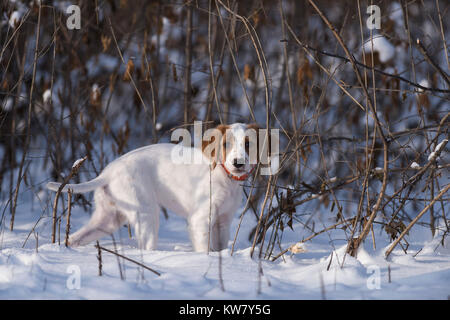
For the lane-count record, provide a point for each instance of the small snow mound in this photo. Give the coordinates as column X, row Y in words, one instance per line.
column 337, row 257
column 95, row 91
column 381, row 45
column 423, row 83
column 440, row 145
column 77, row 162
column 440, row 243
column 415, row 165
column 432, row 156
column 404, row 259
column 365, row 258
column 14, row 19
column 8, row 104
column 26, row 259
column 378, row 170
column 6, row 274
column 46, row 96
column 338, row 271
column 438, row 149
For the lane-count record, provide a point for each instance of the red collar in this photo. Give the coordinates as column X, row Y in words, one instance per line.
column 237, row 178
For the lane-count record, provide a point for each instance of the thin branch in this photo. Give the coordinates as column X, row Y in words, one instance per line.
column 436, row 67
column 387, row 74
column 72, row 173
column 69, row 211
column 30, row 110
column 424, row 210
column 131, row 260
column 188, row 63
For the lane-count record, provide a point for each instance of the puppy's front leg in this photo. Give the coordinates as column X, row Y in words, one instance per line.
column 221, row 232
column 200, row 229
column 146, row 227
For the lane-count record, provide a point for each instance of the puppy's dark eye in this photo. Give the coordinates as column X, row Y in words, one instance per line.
column 247, row 144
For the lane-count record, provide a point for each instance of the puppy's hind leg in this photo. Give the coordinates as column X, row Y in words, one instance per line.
column 146, row 222
column 105, row 220
column 146, row 225
column 142, row 213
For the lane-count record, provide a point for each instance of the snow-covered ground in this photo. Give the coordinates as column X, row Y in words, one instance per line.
column 41, row 270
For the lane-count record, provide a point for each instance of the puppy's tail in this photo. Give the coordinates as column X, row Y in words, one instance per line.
column 81, row 187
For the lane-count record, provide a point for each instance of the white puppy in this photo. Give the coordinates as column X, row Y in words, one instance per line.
column 134, row 187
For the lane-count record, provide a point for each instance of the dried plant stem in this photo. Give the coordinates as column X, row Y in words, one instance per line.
column 372, row 107
column 214, row 80
column 413, row 222
column 99, row 258
column 69, row 211
column 259, row 53
column 261, row 216
column 442, row 34
column 233, row 58
column 72, row 173
column 127, row 70
column 384, row 73
column 242, row 217
column 30, row 110
column 131, row 260
column 188, row 63
column 315, row 234
column 436, row 67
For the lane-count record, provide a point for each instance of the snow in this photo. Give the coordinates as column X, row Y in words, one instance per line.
column 415, row 165
column 385, row 49
column 432, row 156
column 46, row 96
column 77, row 162
column 31, row 267
column 440, row 145
column 423, row 83
column 8, row 104
column 438, row 148
column 14, row 19
column 52, row 271
column 95, row 91
column 378, row 170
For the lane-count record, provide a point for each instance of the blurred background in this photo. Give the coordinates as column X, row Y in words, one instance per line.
column 136, row 70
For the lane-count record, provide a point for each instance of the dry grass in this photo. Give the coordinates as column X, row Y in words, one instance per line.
column 351, row 125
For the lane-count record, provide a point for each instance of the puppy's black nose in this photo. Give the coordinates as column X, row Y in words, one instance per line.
column 236, row 164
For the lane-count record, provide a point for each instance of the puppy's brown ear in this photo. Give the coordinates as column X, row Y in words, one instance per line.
column 209, row 148
column 222, row 128
column 211, row 145
column 253, row 126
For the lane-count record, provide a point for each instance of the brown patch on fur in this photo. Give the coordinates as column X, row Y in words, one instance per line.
column 253, row 126
column 213, row 155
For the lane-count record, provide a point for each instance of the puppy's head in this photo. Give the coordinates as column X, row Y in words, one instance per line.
column 234, row 146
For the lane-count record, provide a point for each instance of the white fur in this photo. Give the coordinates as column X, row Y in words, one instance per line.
column 134, row 187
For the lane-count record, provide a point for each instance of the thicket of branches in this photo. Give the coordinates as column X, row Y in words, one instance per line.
column 363, row 132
